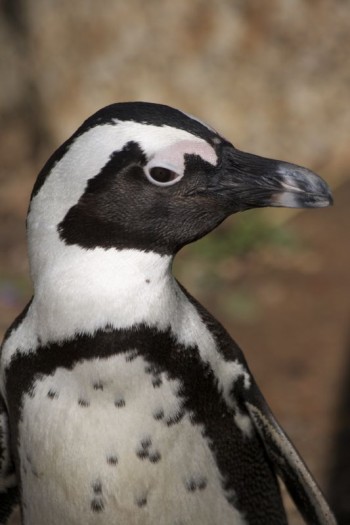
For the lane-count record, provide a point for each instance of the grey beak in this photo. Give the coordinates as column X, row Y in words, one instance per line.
column 301, row 188
column 256, row 182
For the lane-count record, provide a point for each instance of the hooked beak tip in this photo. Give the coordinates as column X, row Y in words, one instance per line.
column 301, row 188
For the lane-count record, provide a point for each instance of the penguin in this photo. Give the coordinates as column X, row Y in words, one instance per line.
column 123, row 401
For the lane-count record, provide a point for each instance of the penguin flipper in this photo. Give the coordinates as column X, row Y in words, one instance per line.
column 8, row 484
column 287, row 462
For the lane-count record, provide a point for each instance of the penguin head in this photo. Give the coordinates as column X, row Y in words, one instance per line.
column 147, row 176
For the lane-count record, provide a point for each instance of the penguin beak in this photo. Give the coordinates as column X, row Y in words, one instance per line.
column 256, row 182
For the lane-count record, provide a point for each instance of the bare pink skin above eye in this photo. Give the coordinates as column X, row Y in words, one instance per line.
column 173, row 156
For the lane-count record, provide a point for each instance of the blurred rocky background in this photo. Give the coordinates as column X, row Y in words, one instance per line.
column 272, row 76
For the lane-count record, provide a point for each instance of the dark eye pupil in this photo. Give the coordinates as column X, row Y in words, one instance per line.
column 163, row 174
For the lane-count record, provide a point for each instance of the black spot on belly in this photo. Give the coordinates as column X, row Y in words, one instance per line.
column 141, row 502
column 202, row 483
column 157, row 381
column 152, row 369
column 141, row 453
column 83, row 403
column 175, row 418
column 98, row 385
column 145, row 450
column 97, row 505
column 31, row 392
column 158, row 414
column 119, row 403
column 131, row 355
column 52, row 394
column 191, row 485
column 196, row 483
column 97, row 487
column 155, row 456
column 112, row 460
column 146, row 442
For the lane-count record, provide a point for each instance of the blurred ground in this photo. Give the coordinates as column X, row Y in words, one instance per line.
column 274, row 78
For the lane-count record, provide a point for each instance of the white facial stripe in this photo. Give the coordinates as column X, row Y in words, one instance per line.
column 87, row 155
column 156, row 138
column 67, row 180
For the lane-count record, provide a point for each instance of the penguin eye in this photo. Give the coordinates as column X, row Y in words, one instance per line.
column 162, row 176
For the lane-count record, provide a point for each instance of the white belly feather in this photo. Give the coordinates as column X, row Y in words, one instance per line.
column 103, row 444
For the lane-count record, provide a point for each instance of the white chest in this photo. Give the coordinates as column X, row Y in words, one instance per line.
column 109, row 442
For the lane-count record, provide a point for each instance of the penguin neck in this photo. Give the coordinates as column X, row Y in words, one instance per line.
column 82, row 291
